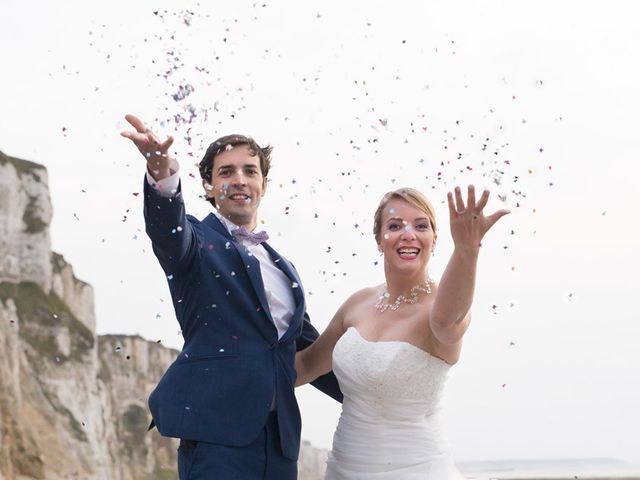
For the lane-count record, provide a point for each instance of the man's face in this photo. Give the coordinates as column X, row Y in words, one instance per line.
column 237, row 184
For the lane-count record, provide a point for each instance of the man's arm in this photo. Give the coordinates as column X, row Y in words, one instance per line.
column 328, row 383
column 172, row 236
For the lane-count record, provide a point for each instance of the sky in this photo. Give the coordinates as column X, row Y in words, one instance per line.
column 537, row 101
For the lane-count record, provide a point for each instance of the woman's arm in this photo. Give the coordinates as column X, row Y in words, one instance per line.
column 315, row 360
column 450, row 313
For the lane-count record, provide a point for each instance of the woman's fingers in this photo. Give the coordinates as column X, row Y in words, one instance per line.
column 457, row 207
column 492, row 219
column 459, row 200
column 471, row 197
column 484, row 198
column 452, row 207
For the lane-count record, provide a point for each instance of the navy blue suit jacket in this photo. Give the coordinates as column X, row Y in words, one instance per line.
column 221, row 386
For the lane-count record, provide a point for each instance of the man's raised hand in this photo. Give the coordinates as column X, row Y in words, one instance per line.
column 159, row 163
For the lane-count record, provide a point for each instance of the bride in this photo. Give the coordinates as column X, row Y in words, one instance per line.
column 391, row 346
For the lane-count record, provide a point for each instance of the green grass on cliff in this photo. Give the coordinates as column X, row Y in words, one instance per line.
column 135, row 419
column 58, row 264
column 41, row 318
column 41, row 315
column 164, row 474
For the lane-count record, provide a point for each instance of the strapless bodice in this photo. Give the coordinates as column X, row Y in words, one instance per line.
column 390, row 424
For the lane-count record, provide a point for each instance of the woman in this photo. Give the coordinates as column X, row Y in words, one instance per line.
column 395, row 343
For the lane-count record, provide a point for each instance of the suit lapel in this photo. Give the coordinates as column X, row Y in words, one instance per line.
column 249, row 262
column 252, row 267
column 298, row 294
column 255, row 277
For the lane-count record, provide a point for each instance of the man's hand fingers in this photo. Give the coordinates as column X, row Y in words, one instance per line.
column 166, row 144
column 138, row 138
column 136, row 123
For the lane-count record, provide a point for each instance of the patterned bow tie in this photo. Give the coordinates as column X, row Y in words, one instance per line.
column 242, row 235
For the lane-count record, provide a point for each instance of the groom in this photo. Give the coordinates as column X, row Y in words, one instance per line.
column 229, row 395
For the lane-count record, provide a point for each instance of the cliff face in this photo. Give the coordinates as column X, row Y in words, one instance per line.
column 72, row 404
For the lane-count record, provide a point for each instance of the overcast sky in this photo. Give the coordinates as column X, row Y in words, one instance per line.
column 537, row 101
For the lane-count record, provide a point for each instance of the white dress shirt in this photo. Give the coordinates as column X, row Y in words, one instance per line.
column 277, row 286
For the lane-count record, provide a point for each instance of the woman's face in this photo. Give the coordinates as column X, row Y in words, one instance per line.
column 406, row 237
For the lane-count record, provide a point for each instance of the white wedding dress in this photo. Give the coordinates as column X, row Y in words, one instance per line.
column 390, row 424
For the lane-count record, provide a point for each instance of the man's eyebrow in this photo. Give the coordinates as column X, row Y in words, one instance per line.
column 224, row 169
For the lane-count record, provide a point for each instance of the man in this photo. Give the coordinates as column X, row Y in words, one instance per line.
column 229, row 394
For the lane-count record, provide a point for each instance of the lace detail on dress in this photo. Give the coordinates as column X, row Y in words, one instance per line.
column 390, row 371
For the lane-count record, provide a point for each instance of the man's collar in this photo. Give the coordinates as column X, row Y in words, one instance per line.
column 240, row 233
column 230, row 226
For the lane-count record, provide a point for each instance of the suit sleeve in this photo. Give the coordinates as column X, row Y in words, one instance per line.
column 328, row 383
column 172, row 235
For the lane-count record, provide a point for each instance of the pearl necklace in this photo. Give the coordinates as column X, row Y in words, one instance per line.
column 382, row 306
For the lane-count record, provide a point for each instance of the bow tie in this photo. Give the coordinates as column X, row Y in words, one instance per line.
column 242, row 235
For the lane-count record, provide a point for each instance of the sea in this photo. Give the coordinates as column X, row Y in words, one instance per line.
column 562, row 469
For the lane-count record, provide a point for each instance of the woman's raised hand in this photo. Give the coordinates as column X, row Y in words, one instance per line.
column 468, row 223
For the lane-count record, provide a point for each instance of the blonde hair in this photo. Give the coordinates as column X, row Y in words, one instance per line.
column 410, row 195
